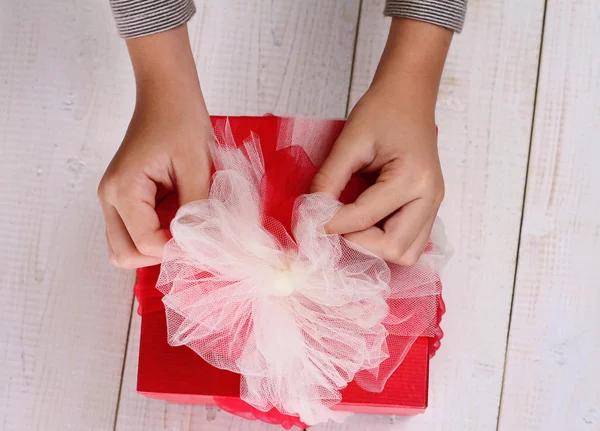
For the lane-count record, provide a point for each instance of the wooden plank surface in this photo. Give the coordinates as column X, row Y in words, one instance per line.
column 254, row 57
column 285, row 57
column 552, row 377
column 484, row 115
column 65, row 95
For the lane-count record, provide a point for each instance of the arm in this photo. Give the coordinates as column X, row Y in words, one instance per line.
column 391, row 130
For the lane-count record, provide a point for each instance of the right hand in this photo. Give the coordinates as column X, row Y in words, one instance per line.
column 165, row 149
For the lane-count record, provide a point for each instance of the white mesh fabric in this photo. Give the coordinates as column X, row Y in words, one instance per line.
column 298, row 318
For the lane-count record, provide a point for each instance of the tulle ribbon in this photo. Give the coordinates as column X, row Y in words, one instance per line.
column 298, row 313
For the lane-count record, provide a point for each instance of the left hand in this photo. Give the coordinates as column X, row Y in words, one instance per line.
column 384, row 133
column 392, row 131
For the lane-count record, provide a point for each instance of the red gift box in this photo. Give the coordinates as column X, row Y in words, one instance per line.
column 177, row 374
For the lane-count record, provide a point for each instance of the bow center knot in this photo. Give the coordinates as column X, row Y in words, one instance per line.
column 282, row 282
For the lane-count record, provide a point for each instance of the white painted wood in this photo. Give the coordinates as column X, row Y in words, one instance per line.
column 484, row 116
column 285, row 57
column 65, row 96
column 552, row 379
column 288, row 58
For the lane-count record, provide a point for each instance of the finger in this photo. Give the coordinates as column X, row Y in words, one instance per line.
column 415, row 251
column 192, row 181
column 136, row 208
column 398, row 234
column 125, row 252
column 403, row 228
column 373, row 205
column 343, row 161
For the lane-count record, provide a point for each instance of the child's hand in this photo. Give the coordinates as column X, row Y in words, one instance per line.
column 162, row 151
column 392, row 131
column 386, row 133
column 165, row 149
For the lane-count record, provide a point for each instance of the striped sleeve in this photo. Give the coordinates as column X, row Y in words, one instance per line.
column 446, row 13
column 143, row 17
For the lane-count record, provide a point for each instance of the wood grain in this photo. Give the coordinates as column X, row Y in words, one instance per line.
column 484, row 117
column 65, row 97
column 288, row 58
column 552, row 377
column 285, row 57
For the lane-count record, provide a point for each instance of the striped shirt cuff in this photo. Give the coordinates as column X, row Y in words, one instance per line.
column 446, row 13
column 143, row 17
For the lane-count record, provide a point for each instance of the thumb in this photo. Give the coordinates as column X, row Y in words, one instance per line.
column 136, row 221
column 338, row 167
column 193, row 179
